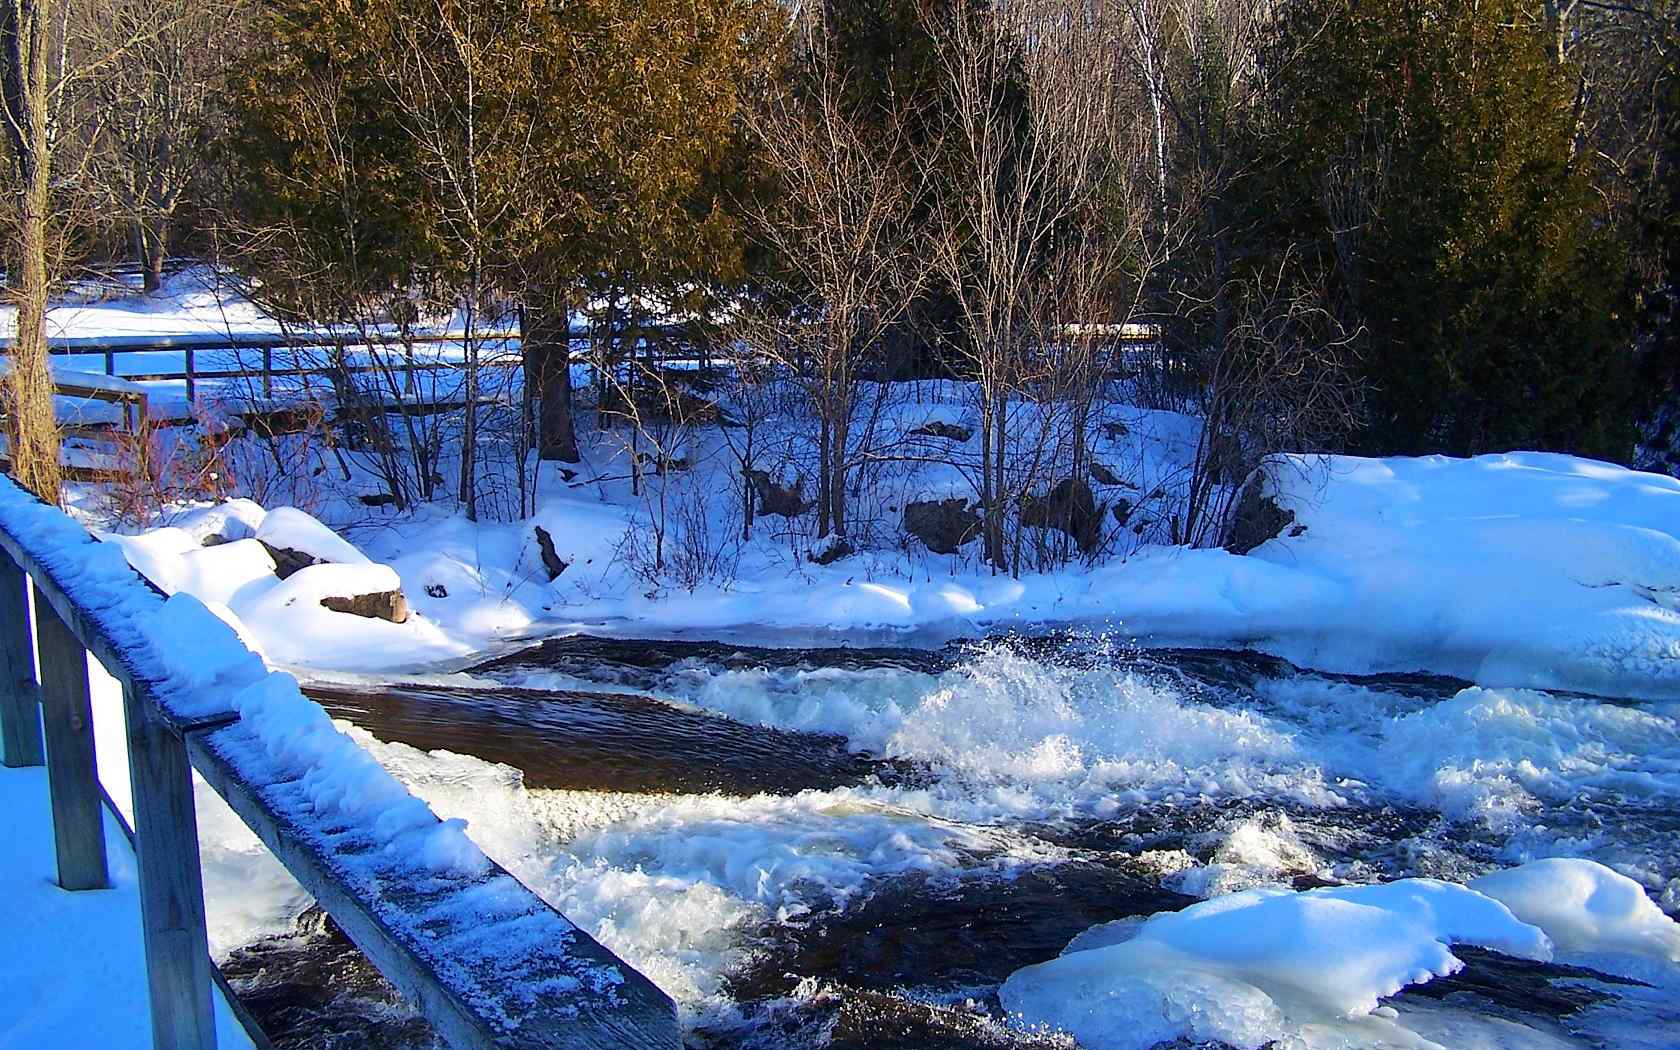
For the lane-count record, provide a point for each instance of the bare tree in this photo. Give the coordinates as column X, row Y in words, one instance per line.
column 1021, row 225
column 844, row 233
column 154, row 110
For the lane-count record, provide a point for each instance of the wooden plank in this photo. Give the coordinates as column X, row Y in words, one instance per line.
column 20, row 696
column 410, row 927
column 72, row 776
column 178, row 971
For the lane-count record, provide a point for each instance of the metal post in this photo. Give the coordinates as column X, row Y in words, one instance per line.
column 72, row 775
column 171, row 885
column 20, row 697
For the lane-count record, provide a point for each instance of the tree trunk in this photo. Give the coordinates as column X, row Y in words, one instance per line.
column 153, row 237
column 31, row 431
column 548, row 348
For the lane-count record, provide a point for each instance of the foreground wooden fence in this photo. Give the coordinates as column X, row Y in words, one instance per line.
column 488, row 962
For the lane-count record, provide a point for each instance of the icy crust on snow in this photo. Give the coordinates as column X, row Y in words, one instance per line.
column 1264, row 965
column 1585, row 907
column 151, row 633
column 488, row 937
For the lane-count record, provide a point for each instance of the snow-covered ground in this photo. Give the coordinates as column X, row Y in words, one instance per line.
column 1519, row 570
column 72, row 970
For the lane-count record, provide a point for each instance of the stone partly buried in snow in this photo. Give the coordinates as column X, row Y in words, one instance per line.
column 1070, row 508
column 831, row 549
column 776, row 498
column 941, row 429
column 1257, row 517
column 553, row 564
column 390, row 606
column 942, row 525
column 288, row 560
column 296, row 541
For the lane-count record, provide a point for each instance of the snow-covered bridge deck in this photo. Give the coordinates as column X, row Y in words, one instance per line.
column 488, row 962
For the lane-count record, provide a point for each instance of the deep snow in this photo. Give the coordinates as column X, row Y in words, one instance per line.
column 1529, row 570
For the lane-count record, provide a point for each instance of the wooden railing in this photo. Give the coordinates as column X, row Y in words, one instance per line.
column 487, row 962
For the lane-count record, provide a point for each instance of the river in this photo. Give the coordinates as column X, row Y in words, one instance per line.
column 854, row 847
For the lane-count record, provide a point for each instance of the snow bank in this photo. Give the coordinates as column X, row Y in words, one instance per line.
column 1519, row 570
column 1585, row 907
column 1255, row 967
column 1525, row 569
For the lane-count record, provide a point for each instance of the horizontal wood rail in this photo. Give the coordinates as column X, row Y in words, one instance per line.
column 489, row 963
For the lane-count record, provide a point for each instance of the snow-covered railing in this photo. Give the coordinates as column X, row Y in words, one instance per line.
column 490, row 964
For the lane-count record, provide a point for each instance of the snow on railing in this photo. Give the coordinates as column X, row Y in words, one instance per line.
column 488, row 962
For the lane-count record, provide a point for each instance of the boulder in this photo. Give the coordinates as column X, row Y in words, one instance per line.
column 553, row 564
column 296, row 541
column 1070, row 508
column 776, row 498
column 390, row 606
column 831, row 549
column 1257, row 517
column 288, row 560
column 942, row 525
column 938, row 428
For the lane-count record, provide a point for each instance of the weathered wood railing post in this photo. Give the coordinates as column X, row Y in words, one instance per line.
column 171, row 884
column 20, row 697
column 72, row 775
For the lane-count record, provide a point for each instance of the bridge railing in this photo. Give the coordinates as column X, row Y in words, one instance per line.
column 489, row 964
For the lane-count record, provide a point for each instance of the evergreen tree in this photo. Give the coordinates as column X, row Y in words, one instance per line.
column 592, row 138
column 1426, row 149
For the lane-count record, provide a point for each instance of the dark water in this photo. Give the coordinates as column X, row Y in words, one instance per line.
column 914, row 962
column 603, row 741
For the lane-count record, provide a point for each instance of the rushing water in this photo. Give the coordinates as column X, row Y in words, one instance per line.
column 853, row 848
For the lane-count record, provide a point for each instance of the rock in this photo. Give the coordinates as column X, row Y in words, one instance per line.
column 938, row 428
column 775, row 498
column 390, row 606
column 288, row 560
column 553, row 564
column 214, row 539
column 436, row 590
column 942, row 525
column 1104, row 475
column 1070, row 508
column 831, row 549
column 296, row 541
column 1257, row 517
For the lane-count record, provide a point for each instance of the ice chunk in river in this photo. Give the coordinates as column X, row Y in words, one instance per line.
column 1585, row 907
column 1258, row 966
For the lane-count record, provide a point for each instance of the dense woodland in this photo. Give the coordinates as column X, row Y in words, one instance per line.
column 1384, row 227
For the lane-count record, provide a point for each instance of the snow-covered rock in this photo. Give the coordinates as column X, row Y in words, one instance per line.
column 1255, row 967
column 297, row 540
